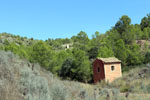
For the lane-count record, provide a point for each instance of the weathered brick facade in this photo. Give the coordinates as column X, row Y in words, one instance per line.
column 107, row 69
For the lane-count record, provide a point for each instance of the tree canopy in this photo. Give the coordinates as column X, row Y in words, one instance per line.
column 75, row 62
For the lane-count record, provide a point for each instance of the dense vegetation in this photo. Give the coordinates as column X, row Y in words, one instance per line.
column 20, row 81
column 75, row 63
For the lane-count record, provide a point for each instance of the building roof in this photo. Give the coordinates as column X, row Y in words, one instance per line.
column 109, row 60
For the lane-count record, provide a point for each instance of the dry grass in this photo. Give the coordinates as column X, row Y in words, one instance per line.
column 9, row 91
column 135, row 96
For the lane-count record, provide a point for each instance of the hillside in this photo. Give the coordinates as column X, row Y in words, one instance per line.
column 61, row 69
column 6, row 38
column 19, row 80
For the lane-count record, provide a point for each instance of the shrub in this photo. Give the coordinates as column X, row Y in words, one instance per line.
column 84, row 95
column 5, row 69
column 124, row 88
column 33, row 87
column 105, row 94
column 115, row 93
column 148, row 88
column 104, row 91
column 59, row 91
column 9, row 91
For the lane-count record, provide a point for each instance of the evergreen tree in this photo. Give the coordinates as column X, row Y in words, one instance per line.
column 123, row 24
column 145, row 22
column 105, row 52
column 42, row 54
column 120, row 51
column 134, row 55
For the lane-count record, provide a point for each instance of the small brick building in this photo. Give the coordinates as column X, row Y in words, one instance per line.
column 107, row 69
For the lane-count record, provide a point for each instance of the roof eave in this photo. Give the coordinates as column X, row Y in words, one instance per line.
column 111, row 62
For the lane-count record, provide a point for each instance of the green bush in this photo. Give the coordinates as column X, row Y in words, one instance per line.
column 124, row 88
column 148, row 88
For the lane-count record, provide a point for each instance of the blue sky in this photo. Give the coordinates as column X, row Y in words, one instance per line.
column 42, row 19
